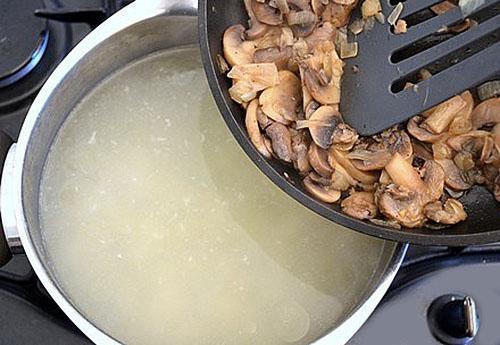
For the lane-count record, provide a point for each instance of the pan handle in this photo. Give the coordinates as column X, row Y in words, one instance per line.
column 9, row 238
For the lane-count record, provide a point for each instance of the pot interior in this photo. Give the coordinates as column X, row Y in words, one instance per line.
column 78, row 76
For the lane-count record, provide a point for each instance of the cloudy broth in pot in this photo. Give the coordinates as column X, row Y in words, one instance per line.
column 162, row 231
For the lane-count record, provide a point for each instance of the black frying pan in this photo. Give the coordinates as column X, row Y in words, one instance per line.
column 482, row 226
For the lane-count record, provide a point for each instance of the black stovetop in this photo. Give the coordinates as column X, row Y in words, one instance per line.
column 30, row 48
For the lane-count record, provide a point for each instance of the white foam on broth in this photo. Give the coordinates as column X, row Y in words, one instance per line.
column 161, row 230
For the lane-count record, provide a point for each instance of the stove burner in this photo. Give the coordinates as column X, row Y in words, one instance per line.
column 23, row 39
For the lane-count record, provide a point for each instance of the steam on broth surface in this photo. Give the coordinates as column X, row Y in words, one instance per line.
column 161, row 230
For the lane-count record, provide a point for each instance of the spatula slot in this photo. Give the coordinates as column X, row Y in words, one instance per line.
column 449, row 60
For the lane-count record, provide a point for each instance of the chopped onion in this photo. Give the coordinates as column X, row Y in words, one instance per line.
column 369, row 23
column 380, row 17
column 400, row 27
column 394, row 16
column 348, row 50
column 357, row 26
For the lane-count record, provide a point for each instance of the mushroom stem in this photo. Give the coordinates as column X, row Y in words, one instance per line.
column 402, row 173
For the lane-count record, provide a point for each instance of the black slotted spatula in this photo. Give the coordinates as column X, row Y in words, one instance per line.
column 373, row 94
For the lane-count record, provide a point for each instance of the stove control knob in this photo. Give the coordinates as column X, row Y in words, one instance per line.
column 453, row 319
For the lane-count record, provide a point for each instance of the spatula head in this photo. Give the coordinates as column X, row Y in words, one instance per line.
column 374, row 96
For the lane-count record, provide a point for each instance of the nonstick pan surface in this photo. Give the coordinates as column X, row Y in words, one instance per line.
column 482, row 225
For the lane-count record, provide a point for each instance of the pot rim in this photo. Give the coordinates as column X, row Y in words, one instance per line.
column 139, row 11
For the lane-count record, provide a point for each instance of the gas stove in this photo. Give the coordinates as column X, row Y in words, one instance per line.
column 440, row 296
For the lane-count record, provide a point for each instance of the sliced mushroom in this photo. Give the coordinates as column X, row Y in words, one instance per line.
column 322, row 33
column 421, row 151
column 441, row 150
column 257, row 29
column 366, row 160
column 344, row 137
column 237, row 51
column 300, row 146
column 462, row 122
column 422, row 134
column 376, row 152
column 365, row 177
column 262, row 119
column 272, row 38
column 360, row 205
column 434, row 178
column 453, row 176
column 265, row 13
column 279, row 57
column 318, row 6
column 318, row 158
column 402, row 205
column 340, row 180
column 253, row 130
column 322, row 74
column 338, row 14
column 307, row 99
column 242, row 92
column 486, row 113
column 322, row 193
column 404, row 174
column 281, row 102
column 443, row 114
column 322, row 124
column 311, row 107
column 250, row 79
column 452, row 212
column 302, row 22
column 281, row 140
column 472, row 141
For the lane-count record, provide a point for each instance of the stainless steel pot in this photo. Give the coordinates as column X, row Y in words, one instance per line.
column 141, row 28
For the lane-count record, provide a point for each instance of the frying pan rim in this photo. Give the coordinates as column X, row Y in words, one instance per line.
column 392, row 234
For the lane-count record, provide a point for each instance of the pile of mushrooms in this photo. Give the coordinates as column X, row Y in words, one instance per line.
column 286, row 72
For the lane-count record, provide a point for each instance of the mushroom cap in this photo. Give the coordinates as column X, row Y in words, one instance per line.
column 318, row 158
column 365, row 177
column 323, row 32
column 452, row 212
column 322, row 124
column 280, row 57
column 237, row 51
column 360, row 205
column 265, row 13
column 434, row 180
column 302, row 22
column 282, row 101
column 453, row 176
column 322, row 193
column 402, row 205
column 487, row 112
column 367, row 160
